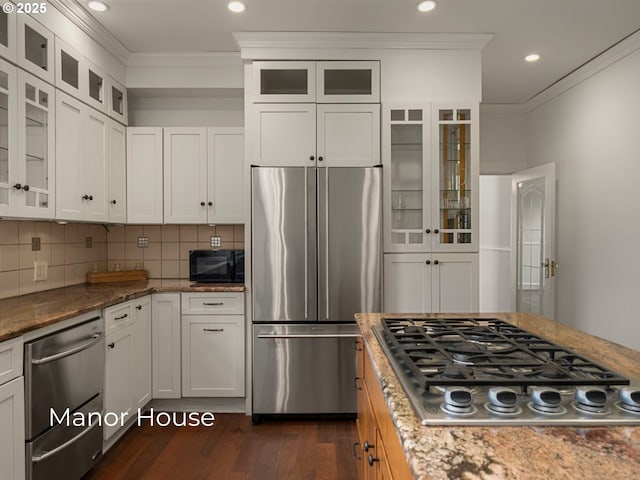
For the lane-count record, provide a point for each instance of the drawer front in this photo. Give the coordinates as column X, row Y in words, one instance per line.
column 10, row 359
column 117, row 316
column 226, row 303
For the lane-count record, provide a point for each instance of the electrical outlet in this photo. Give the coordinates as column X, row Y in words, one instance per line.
column 40, row 271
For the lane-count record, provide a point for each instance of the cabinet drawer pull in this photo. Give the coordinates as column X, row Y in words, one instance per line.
column 121, row 317
column 213, row 329
column 213, row 304
column 112, row 345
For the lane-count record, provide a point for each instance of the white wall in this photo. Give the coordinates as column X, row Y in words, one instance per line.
column 495, row 243
column 186, row 112
column 503, row 140
column 591, row 131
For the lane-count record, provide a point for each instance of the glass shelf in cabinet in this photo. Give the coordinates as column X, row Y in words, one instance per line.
column 34, row 158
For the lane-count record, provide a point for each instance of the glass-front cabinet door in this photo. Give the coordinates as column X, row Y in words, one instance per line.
column 8, row 35
column 8, row 139
column 407, row 178
column 284, row 81
column 455, row 179
column 35, row 139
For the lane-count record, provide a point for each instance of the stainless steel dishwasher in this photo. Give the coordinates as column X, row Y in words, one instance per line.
column 64, row 373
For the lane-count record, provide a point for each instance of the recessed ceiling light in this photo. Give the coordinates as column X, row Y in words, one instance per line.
column 98, row 6
column 236, row 6
column 426, row 5
column 532, row 57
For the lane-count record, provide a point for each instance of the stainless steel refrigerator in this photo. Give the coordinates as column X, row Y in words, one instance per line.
column 317, row 251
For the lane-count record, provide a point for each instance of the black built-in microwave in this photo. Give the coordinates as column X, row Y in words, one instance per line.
column 216, row 266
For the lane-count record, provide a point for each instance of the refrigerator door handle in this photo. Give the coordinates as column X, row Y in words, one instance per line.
column 310, row 335
column 306, row 243
column 323, row 242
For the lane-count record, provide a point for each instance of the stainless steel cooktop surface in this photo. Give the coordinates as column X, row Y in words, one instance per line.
column 489, row 372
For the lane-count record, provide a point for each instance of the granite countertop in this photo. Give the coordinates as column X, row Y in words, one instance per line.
column 514, row 453
column 22, row 314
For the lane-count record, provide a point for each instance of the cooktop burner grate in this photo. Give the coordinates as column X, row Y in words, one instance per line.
column 486, row 352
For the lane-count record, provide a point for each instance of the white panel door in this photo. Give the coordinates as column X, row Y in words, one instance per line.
column 348, row 135
column 95, row 164
column 213, row 356
column 117, row 388
column 69, row 158
column 225, row 170
column 12, row 461
column 144, row 175
column 141, row 352
column 284, row 134
column 185, row 175
column 117, row 172
column 407, row 283
column 166, row 345
column 455, row 282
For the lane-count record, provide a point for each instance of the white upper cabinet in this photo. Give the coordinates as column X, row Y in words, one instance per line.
column 203, row 175
column 225, row 171
column 284, row 135
column 117, row 106
column 348, row 82
column 81, row 146
column 185, row 175
column 322, row 82
column 36, row 147
column 8, row 140
column 71, row 70
column 8, row 36
column 116, row 172
column 144, row 175
column 348, row 135
column 35, row 48
column 96, row 87
column 284, row 82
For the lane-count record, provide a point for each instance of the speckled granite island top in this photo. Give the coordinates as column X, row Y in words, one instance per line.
column 514, row 453
column 22, row 314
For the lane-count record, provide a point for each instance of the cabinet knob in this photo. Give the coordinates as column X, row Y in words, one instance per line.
column 367, row 446
column 138, row 307
column 17, row 186
column 85, row 197
column 202, row 204
column 428, row 262
column 90, row 197
column 312, row 158
column 428, row 230
column 436, row 262
column 26, row 188
column 111, row 345
column 113, row 202
column 210, row 204
column 320, row 159
column 436, row 231
column 371, row 460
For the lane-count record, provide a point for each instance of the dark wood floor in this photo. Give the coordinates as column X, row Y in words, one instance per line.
column 234, row 449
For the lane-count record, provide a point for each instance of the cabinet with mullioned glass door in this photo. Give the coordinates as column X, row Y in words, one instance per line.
column 455, row 178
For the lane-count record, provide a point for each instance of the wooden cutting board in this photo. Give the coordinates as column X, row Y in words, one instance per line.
column 123, row 276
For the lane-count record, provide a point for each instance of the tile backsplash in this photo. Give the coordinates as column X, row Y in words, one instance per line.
column 74, row 249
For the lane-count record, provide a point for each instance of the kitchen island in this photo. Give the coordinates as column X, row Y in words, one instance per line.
column 508, row 452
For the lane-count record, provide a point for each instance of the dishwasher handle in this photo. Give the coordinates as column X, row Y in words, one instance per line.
column 56, row 356
column 44, row 456
column 309, row 335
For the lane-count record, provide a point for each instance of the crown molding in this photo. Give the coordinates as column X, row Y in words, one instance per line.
column 600, row 62
column 356, row 40
column 89, row 25
column 187, row 59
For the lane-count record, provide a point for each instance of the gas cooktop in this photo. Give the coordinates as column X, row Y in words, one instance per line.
column 487, row 371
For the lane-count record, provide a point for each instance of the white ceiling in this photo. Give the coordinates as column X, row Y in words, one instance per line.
column 566, row 33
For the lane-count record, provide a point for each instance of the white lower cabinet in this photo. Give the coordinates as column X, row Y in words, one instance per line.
column 431, row 282
column 213, row 345
column 12, row 452
column 165, row 335
column 128, row 360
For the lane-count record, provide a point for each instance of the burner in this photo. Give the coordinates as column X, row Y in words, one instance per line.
column 457, row 372
column 549, row 371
